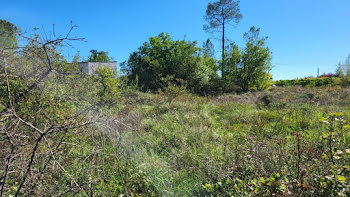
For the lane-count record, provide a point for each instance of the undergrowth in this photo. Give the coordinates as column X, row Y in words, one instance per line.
column 286, row 142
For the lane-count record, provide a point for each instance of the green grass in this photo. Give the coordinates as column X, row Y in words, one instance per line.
column 230, row 145
column 193, row 141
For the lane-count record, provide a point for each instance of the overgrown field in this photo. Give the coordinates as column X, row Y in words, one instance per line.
column 289, row 142
column 64, row 132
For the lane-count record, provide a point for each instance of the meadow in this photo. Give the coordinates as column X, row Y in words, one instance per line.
column 290, row 141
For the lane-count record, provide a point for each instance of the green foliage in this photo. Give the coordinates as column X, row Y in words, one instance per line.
column 274, row 185
column 208, row 48
column 190, row 146
column 172, row 88
column 8, row 34
column 232, row 60
column 343, row 71
column 48, row 99
column 108, row 139
column 310, row 82
column 108, row 85
column 243, row 69
column 99, row 56
column 162, row 56
column 330, row 180
column 248, row 68
column 265, row 82
column 336, row 182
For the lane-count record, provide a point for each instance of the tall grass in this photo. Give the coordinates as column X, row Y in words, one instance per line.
column 193, row 145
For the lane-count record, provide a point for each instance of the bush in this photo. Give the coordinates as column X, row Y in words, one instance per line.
column 162, row 57
column 310, row 82
column 172, row 88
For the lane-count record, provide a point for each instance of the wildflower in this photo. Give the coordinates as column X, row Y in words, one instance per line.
column 248, row 156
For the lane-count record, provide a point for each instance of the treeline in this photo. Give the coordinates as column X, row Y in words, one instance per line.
column 310, row 82
column 162, row 59
column 340, row 78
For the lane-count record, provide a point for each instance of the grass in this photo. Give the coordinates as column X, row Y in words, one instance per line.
column 283, row 142
column 193, row 141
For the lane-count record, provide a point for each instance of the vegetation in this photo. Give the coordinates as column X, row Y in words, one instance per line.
column 46, row 103
column 220, row 15
column 162, row 57
column 99, row 56
column 248, row 68
column 8, row 34
column 343, row 71
column 341, row 77
column 310, row 82
column 63, row 133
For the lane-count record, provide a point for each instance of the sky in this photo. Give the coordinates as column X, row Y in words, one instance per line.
column 303, row 35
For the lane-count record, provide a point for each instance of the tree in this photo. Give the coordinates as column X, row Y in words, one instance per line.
column 108, row 91
column 232, row 60
column 8, row 37
column 208, row 48
column 256, row 61
column 99, row 56
column 162, row 57
column 220, row 14
column 343, row 71
column 248, row 68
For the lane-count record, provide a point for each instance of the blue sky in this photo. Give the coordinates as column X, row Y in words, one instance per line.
column 303, row 34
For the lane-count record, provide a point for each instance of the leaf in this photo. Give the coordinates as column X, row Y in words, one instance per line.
column 341, row 178
column 262, row 180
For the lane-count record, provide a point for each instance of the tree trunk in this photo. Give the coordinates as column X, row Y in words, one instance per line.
column 223, row 50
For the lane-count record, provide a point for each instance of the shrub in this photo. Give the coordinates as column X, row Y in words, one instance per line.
column 172, row 88
column 310, row 82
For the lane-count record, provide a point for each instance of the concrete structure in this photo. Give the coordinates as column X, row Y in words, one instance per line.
column 91, row 67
